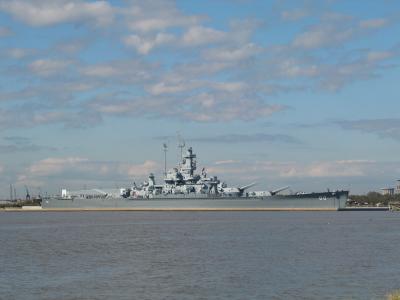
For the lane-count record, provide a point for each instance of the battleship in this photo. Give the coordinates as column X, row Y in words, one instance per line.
column 183, row 189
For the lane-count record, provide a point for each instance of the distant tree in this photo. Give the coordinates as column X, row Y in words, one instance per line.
column 373, row 198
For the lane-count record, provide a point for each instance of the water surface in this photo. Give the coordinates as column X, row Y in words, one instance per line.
column 199, row 255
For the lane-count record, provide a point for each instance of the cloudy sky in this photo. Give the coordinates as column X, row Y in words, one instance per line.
column 299, row 93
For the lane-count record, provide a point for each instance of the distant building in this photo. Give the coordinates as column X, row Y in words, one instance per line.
column 398, row 187
column 387, row 191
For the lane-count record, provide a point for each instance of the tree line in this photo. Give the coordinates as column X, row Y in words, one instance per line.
column 373, row 198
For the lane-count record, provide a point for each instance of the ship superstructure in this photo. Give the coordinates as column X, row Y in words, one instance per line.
column 182, row 180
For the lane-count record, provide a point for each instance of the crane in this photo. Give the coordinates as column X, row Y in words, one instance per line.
column 27, row 197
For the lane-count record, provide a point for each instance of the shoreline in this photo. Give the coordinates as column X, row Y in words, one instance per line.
column 39, row 209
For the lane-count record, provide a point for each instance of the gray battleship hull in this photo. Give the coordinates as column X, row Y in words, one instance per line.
column 311, row 201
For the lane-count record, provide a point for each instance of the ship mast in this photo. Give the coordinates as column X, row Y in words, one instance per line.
column 181, row 145
column 165, row 147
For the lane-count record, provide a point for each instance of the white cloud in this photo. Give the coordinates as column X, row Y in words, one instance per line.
column 144, row 45
column 227, row 77
column 339, row 168
column 213, row 106
column 162, row 22
column 323, row 36
column 25, row 117
column 18, row 53
column 46, row 117
column 67, row 170
column 276, row 169
column 199, row 69
column 50, row 12
column 335, row 29
column 221, row 107
column 373, row 56
column 199, row 35
column 51, row 166
column 114, row 107
column 139, row 169
column 19, row 144
column 366, row 66
column 196, row 36
column 173, row 87
column 232, row 54
column 47, row 67
column 231, row 87
column 335, row 169
column 206, row 101
column 248, row 138
column 373, row 23
column 387, row 128
column 129, row 73
column 295, row 68
column 156, row 15
column 72, row 46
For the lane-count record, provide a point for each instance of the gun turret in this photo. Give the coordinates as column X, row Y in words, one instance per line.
column 274, row 192
column 243, row 188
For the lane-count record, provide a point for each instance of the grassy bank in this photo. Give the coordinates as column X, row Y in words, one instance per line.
column 20, row 203
column 393, row 296
column 373, row 199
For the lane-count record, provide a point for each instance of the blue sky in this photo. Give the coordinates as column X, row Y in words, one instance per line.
column 304, row 93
